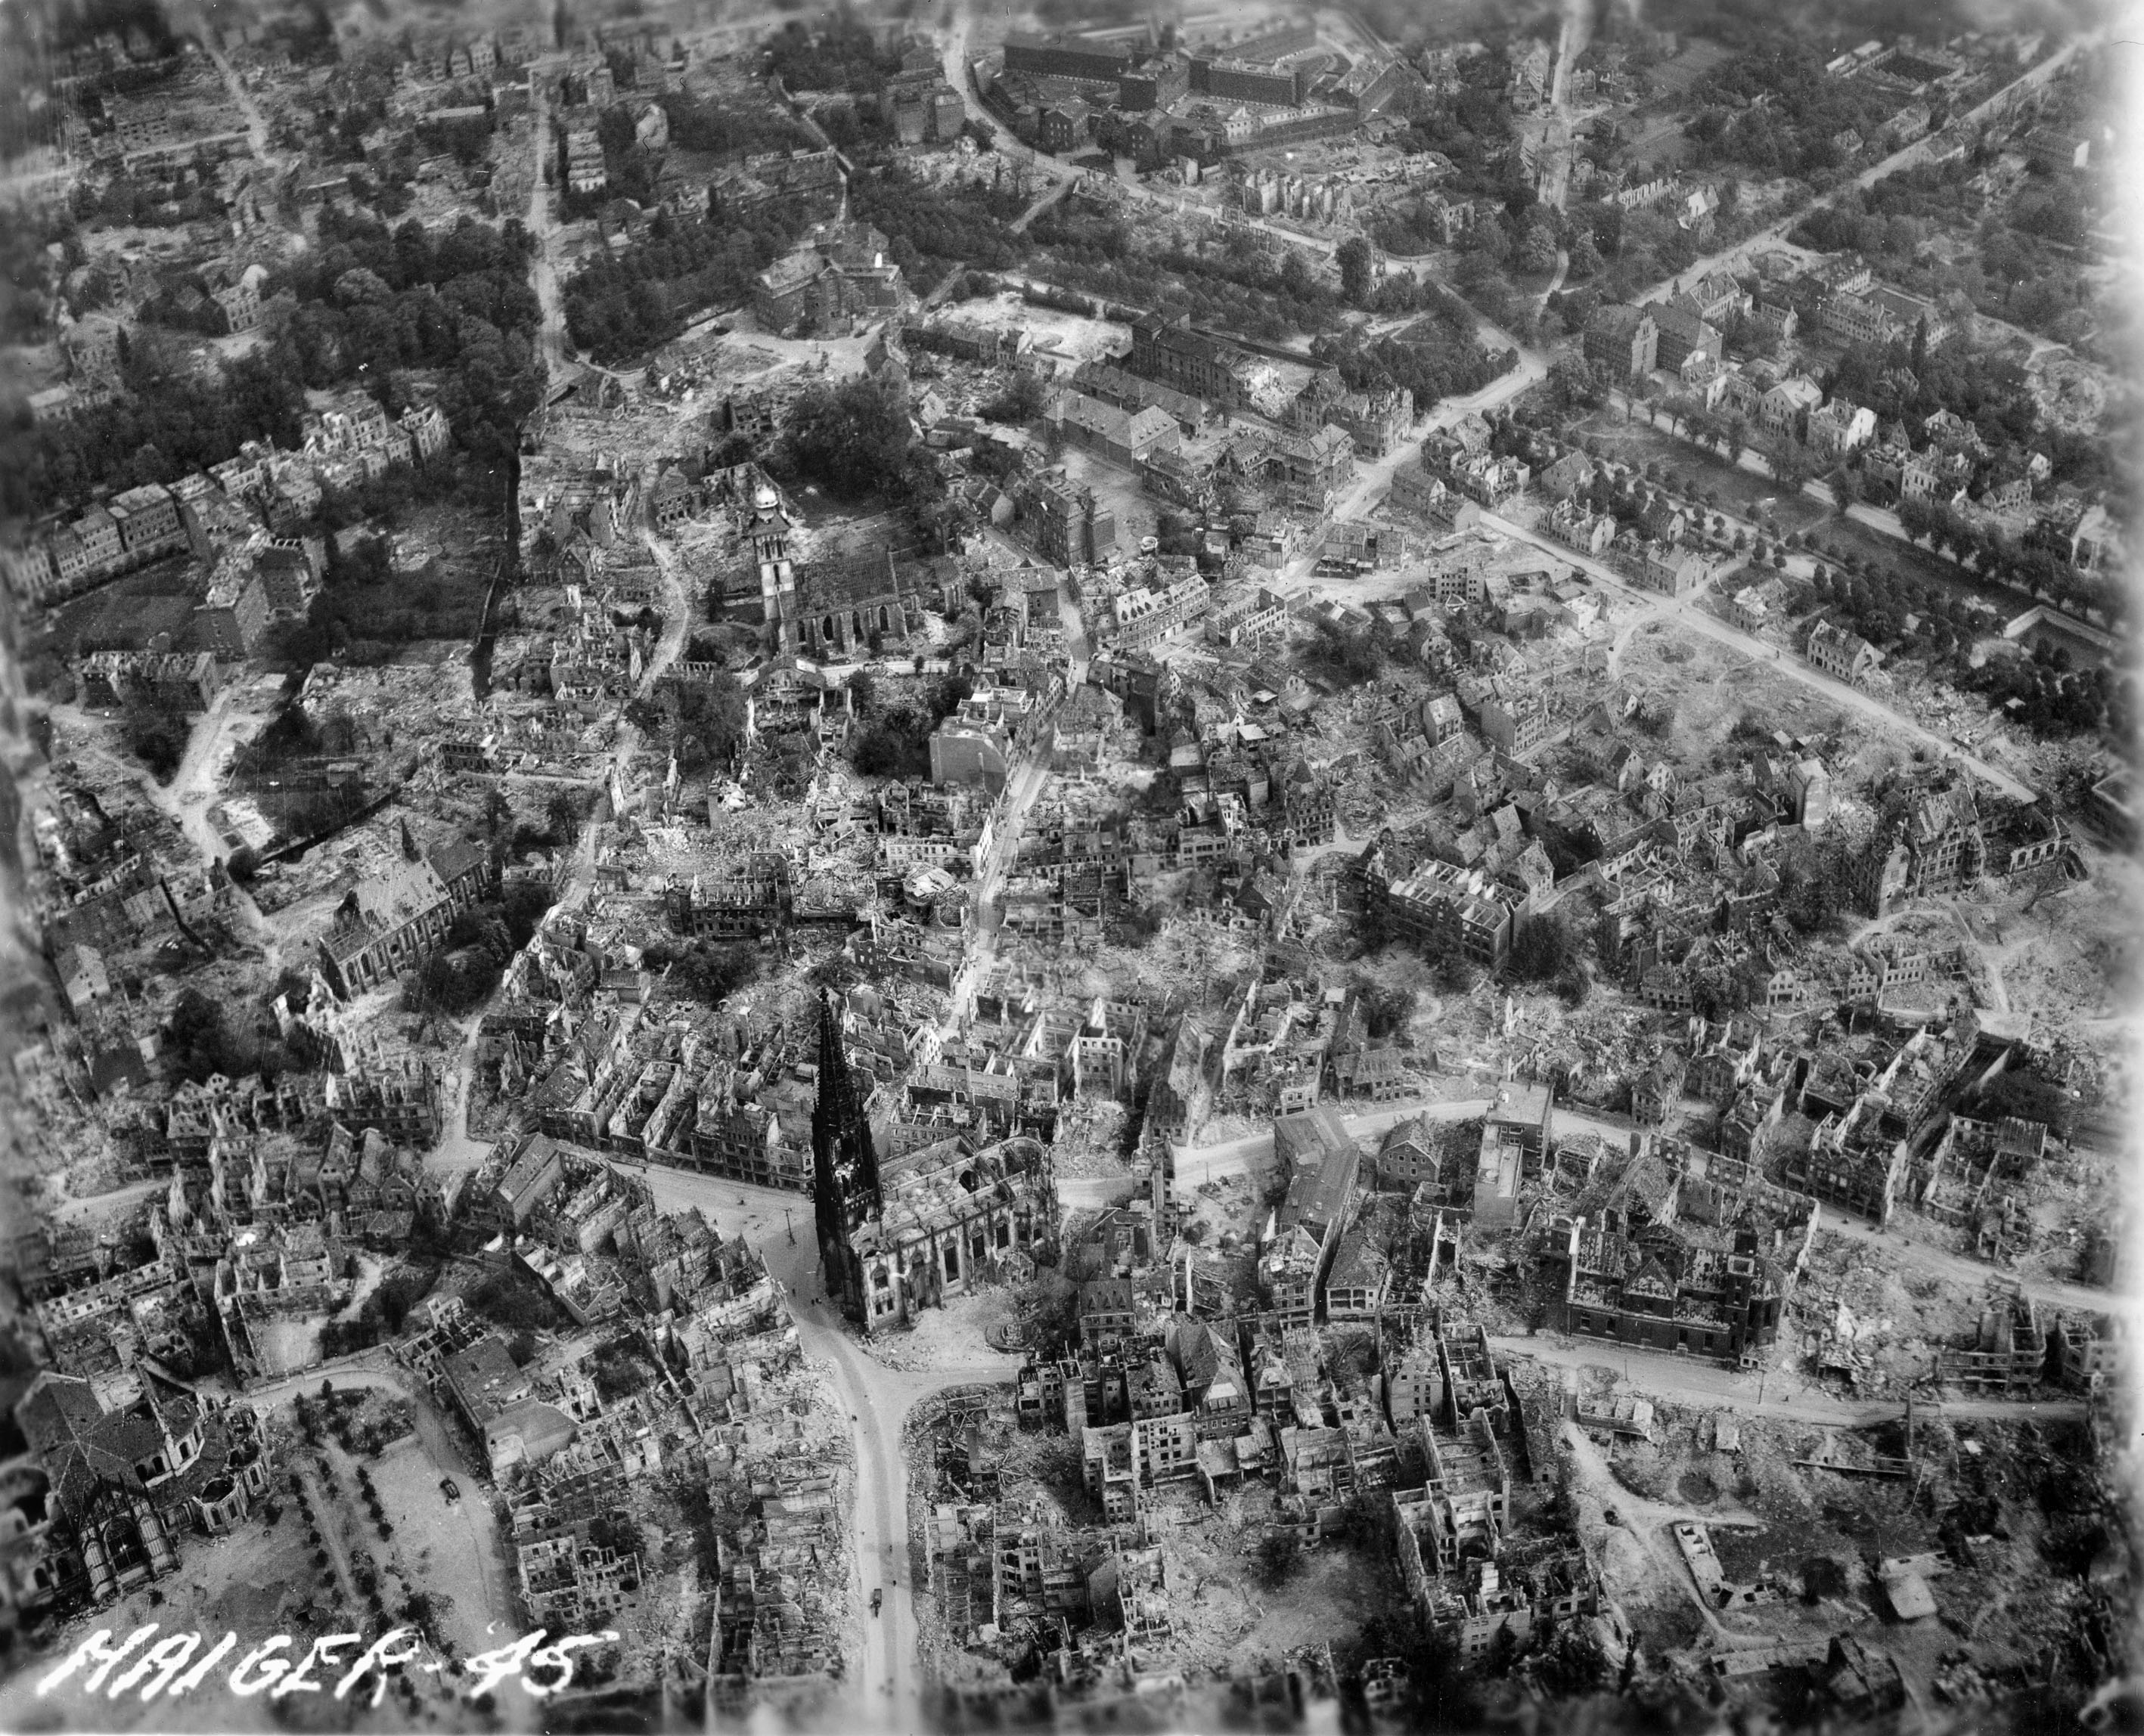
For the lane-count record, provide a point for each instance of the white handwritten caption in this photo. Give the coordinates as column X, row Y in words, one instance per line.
column 169, row 1667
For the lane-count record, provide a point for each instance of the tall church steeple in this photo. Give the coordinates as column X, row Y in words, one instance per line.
column 844, row 1165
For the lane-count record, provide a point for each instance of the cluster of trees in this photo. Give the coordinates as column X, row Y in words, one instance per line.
column 1625, row 253
column 466, row 138
column 1021, row 400
column 478, row 947
column 167, row 426
column 373, row 301
column 2013, row 272
column 366, row 610
column 842, row 55
column 700, row 723
column 1803, row 109
column 1436, row 357
column 156, row 737
column 382, row 1313
column 1352, row 655
column 1240, row 287
column 1991, row 551
column 723, row 130
column 1876, row 607
column 1473, row 130
column 854, row 440
column 200, row 1039
column 1546, row 949
column 928, row 228
column 125, row 202
column 621, row 304
column 893, row 739
column 515, row 1303
column 710, row 972
column 2055, row 699
column 1813, row 891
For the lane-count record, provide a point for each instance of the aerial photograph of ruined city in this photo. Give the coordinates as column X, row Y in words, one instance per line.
column 1135, row 866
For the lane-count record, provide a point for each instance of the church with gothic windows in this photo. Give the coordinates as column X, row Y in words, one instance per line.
column 907, row 1233
column 114, row 1479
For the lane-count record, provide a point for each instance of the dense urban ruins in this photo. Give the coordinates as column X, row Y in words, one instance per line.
column 917, row 869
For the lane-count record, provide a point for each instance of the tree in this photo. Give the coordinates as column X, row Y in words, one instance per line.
column 1357, row 276
column 156, row 737
column 1537, row 249
column 198, row 1042
column 1021, row 400
column 700, row 721
column 1543, row 949
column 853, row 439
column 1277, row 1558
column 562, row 815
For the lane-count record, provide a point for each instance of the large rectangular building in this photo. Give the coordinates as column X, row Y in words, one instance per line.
column 1188, row 361
column 1439, row 909
column 1095, row 62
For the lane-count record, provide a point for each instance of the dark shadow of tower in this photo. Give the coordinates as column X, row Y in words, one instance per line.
column 845, row 1184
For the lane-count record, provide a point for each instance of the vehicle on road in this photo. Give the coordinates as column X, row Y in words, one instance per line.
column 450, row 1489
column 878, row 1597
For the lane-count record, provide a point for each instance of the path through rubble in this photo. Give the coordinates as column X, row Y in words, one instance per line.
column 879, row 1398
column 1712, row 1387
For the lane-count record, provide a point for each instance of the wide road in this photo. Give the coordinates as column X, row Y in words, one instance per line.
column 1728, row 258
column 1373, row 477
column 542, row 225
column 1686, row 613
column 1004, row 854
column 1779, row 1395
column 1969, row 582
column 210, row 740
column 1197, row 1163
column 877, row 1398
column 257, row 123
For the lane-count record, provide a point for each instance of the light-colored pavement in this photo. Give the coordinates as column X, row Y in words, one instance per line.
column 1004, row 854
column 1882, row 519
column 677, row 611
column 878, row 1398
column 1240, row 1156
column 1970, row 1273
column 257, row 123
column 187, row 799
column 1687, row 614
column 542, row 225
column 1780, row 1396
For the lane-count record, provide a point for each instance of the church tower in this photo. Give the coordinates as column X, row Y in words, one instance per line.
column 768, row 530
column 845, row 1183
